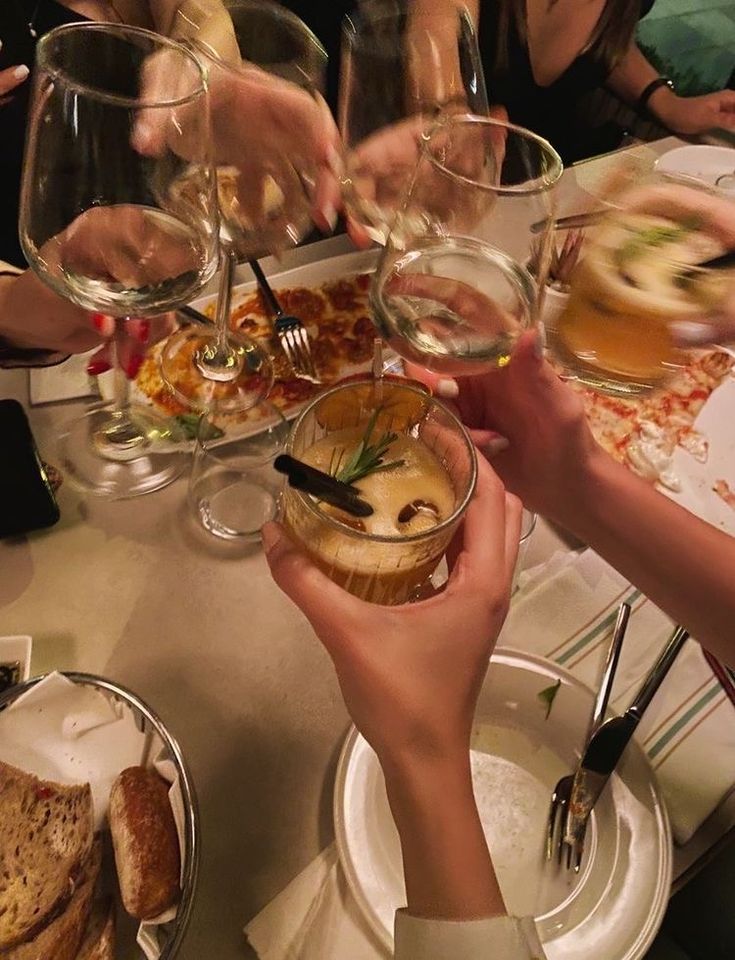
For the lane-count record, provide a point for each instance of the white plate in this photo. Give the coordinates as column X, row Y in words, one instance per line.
column 613, row 908
column 701, row 161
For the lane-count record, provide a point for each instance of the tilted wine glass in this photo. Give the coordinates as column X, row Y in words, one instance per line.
column 265, row 190
column 102, row 220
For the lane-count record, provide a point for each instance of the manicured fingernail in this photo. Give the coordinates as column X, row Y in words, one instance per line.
column 692, row 333
column 103, row 324
column 495, row 445
column 133, row 366
column 448, row 389
column 329, row 213
column 539, row 344
column 21, row 72
column 335, row 162
column 97, row 366
column 140, row 330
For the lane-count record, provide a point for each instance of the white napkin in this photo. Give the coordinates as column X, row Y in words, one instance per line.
column 314, row 918
column 63, row 731
column 689, row 729
column 63, row 381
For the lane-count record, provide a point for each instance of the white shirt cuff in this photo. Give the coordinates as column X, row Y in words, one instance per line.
column 494, row 938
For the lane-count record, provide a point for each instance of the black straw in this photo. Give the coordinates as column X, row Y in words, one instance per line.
column 310, row 480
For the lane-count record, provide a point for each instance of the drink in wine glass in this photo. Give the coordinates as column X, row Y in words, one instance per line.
column 419, row 486
column 401, row 66
column 101, row 222
column 640, row 276
column 266, row 180
column 452, row 290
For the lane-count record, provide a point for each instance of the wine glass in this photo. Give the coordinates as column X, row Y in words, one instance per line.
column 103, row 224
column 402, row 64
column 465, row 264
column 265, row 191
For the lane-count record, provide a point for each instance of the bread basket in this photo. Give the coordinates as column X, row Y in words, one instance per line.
column 172, row 933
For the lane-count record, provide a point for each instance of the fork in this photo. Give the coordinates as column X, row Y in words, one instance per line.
column 292, row 334
column 562, row 792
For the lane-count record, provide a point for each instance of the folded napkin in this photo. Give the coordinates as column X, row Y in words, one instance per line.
column 689, row 729
column 63, row 381
column 314, row 918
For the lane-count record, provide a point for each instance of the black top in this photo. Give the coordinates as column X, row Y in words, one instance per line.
column 550, row 110
column 19, row 47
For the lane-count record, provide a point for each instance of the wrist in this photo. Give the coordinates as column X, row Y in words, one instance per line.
column 663, row 104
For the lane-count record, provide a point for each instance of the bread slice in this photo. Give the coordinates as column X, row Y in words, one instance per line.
column 99, row 938
column 145, row 842
column 61, row 938
column 46, row 832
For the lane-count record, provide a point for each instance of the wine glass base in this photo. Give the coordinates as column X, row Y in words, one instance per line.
column 97, row 465
column 240, row 388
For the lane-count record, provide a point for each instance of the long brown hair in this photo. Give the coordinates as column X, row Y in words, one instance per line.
column 610, row 39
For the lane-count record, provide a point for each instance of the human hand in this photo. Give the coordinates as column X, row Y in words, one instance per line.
column 691, row 115
column 530, row 425
column 10, row 78
column 410, row 675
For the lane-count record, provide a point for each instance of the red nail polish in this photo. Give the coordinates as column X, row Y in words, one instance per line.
column 99, row 321
column 97, row 366
column 144, row 329
column 133, row 366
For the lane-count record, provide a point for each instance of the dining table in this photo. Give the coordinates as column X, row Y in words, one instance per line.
column 135, row 591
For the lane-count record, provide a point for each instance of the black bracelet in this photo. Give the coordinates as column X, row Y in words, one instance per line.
column 642, row 102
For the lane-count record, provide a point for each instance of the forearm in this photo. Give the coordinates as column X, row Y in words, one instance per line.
column 206, row 21
column 631, row 77
column 447, row 866
column 684, row 565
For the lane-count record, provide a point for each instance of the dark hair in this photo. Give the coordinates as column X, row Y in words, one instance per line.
column 608, row 43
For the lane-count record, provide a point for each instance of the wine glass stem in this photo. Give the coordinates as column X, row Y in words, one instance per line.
column 119, row 438
column 217, row 360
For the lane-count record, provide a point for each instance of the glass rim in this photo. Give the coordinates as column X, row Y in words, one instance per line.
column 43, row 61
column 208, row 446
column 283, row 14
column 311, row 506
column 530, row 188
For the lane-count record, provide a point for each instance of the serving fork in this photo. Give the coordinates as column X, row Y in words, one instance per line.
column 292, row 334
column 556, row 827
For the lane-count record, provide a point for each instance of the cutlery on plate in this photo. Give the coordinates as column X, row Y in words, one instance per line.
column 573, row 222
column 606, row 747
column 292, row 334
column 562, row 792
column 196, row 315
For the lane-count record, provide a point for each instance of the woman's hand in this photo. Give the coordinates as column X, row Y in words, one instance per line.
column 410, row 675
column 691, row 115
column 10, row 78
column 530, row 424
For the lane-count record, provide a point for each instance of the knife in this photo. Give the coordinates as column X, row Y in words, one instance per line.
column 606, row 747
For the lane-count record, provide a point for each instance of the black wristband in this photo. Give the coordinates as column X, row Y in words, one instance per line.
column 642, row 102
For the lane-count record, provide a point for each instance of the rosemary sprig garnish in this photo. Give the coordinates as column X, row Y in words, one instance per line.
column 367, row 457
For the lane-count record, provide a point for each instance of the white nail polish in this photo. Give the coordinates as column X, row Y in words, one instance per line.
column 692, row 333
column 448, row 389
column 21, row 72
column 495, row 445
column 330, row 215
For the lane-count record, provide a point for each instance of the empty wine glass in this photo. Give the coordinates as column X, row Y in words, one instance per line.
column 402, row 64
column 103, row 222
column 453, row 290
column 266, row 179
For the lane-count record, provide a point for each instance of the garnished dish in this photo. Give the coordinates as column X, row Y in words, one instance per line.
column 341, row 331
column 409, row 460
column 646, row 267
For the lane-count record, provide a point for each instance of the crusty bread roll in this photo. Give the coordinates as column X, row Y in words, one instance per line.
column 145, row 841
column 99, row 937
column 46, row 832
column 60, row 939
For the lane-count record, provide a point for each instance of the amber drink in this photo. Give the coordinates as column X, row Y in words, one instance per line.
column 418, row 492
column 640, row 279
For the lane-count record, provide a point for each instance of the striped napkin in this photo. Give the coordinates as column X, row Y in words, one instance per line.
column 566, row 613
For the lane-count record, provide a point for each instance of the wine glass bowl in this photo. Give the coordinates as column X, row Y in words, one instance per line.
column 102, row 222
column 452, row 290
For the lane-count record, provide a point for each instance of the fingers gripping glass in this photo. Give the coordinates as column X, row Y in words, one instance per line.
column 266, row 182
column 102, row 221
